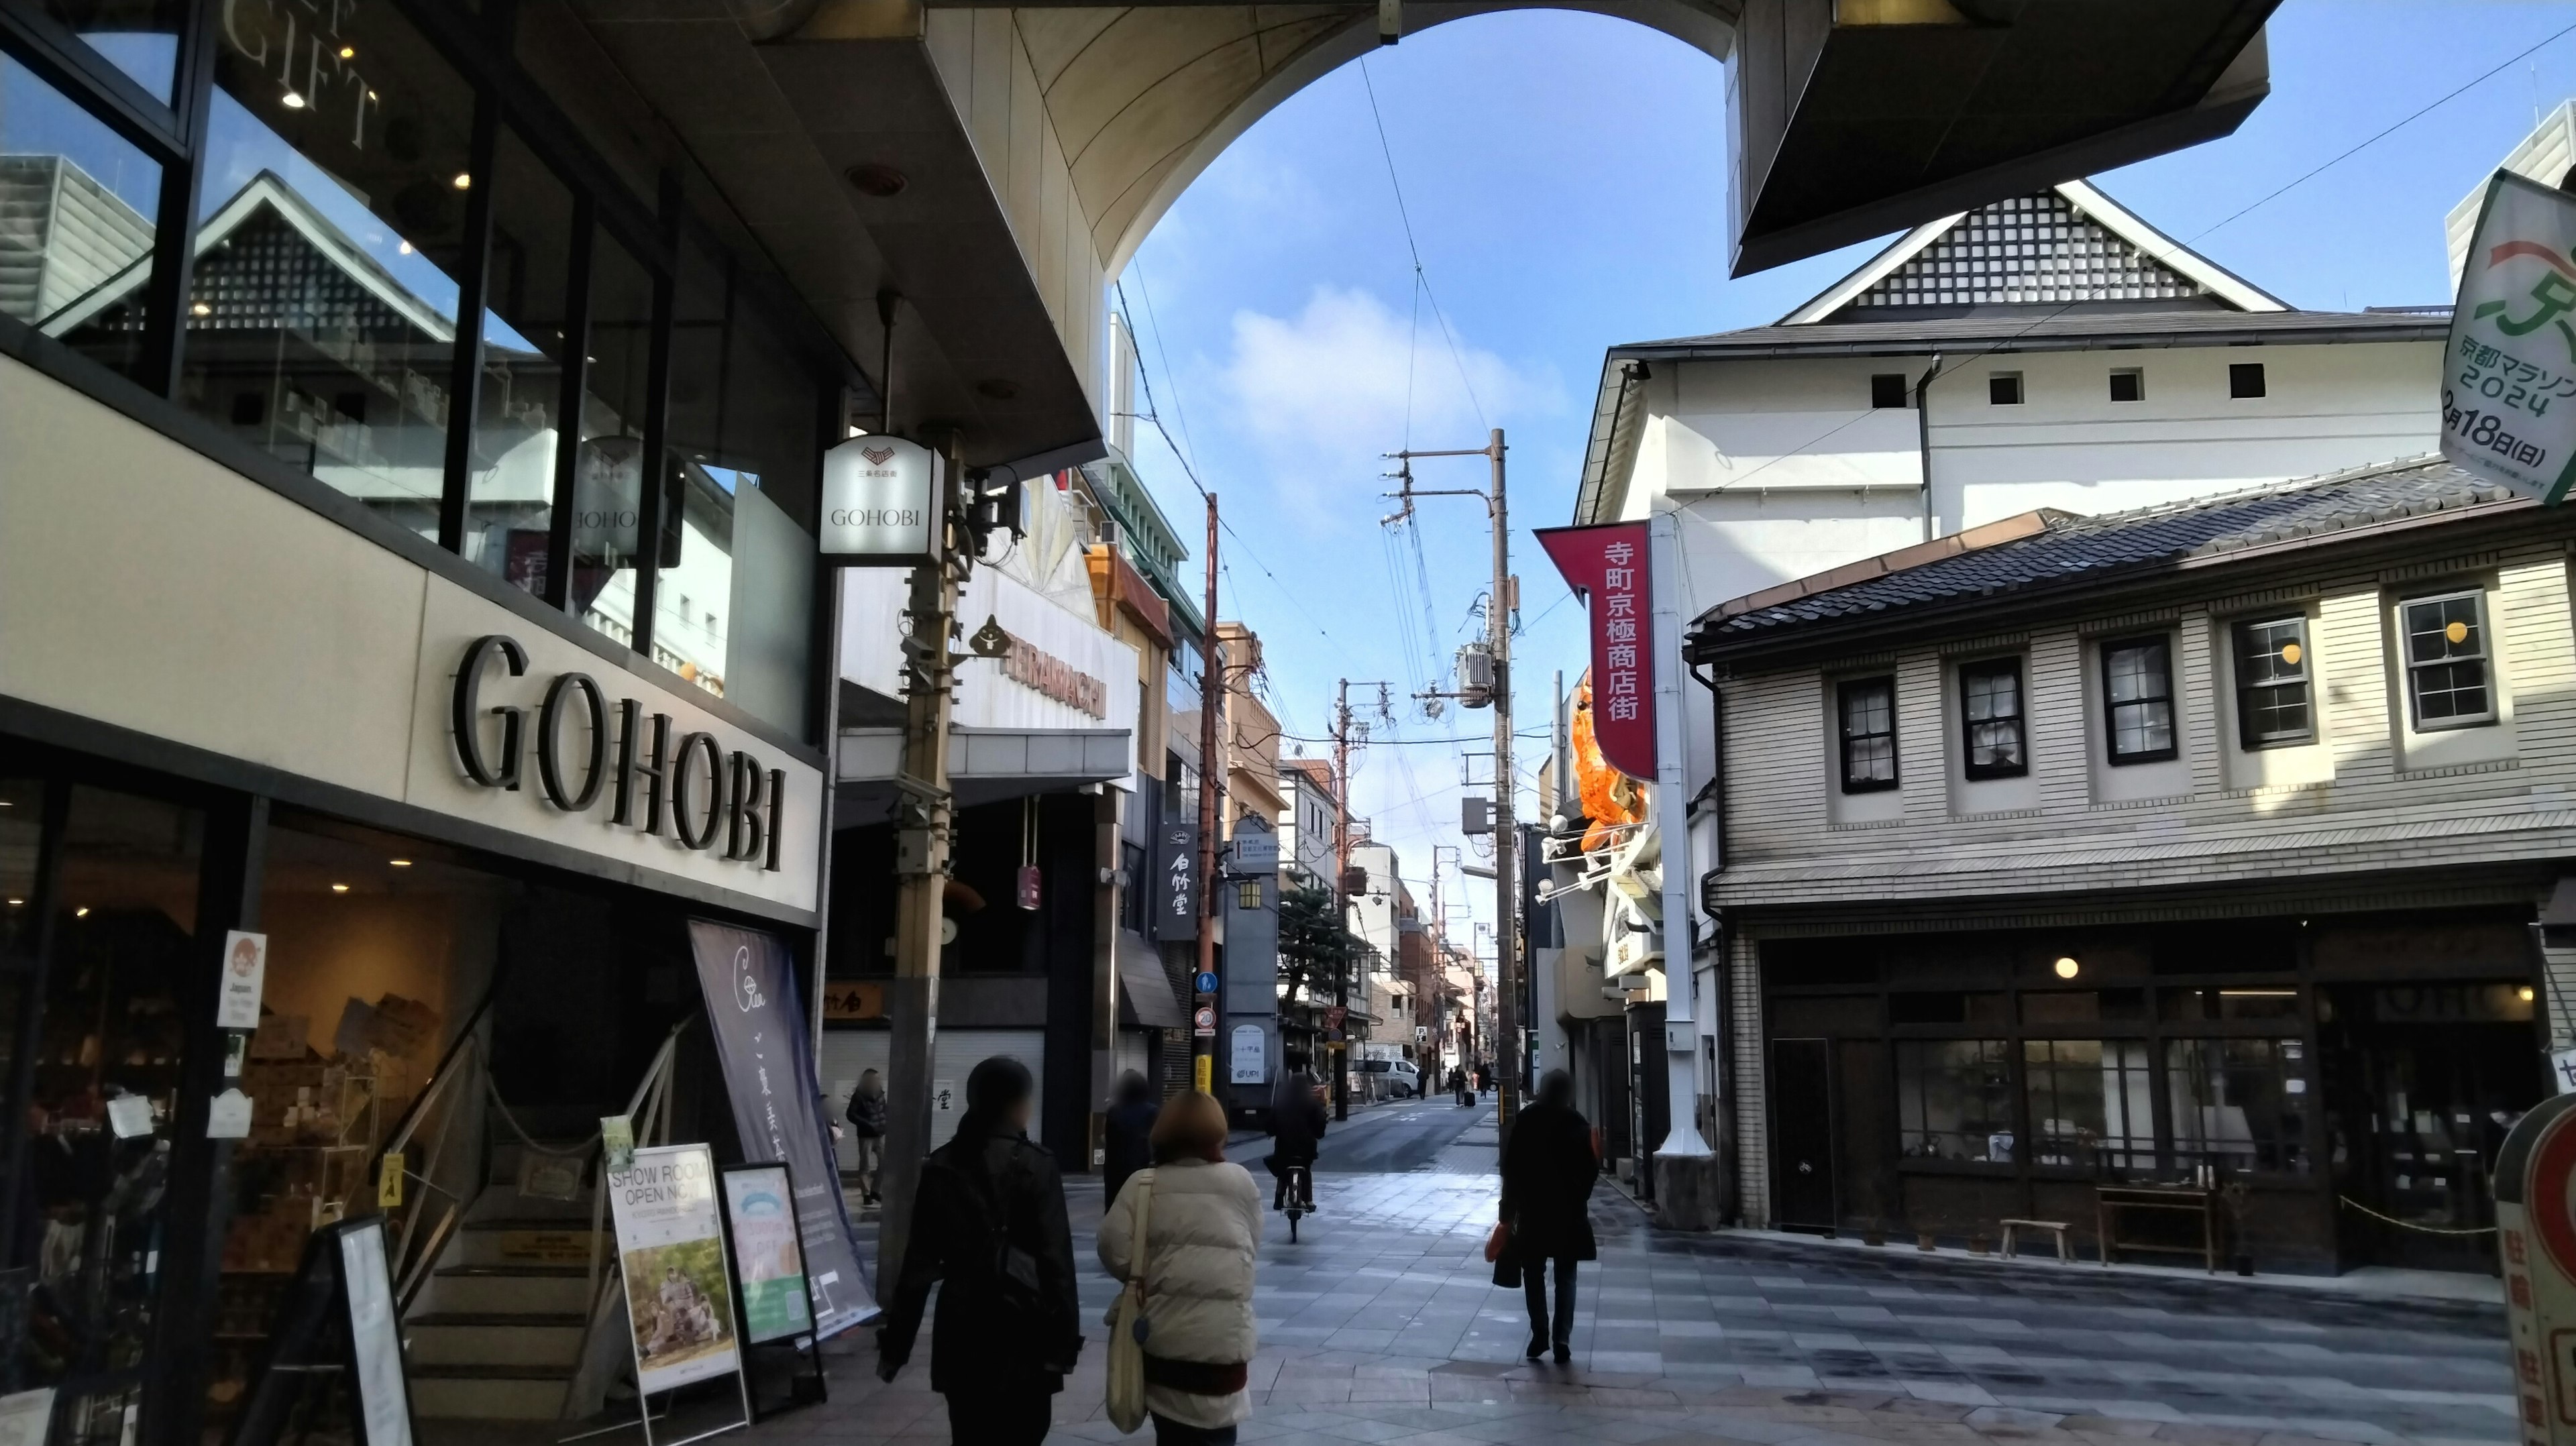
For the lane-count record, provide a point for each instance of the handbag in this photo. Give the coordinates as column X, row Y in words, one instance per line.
column 1500, row 1254
column 1127, row 1321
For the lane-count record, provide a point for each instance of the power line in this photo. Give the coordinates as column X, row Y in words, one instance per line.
column 1180, row 407
column 1421, row 278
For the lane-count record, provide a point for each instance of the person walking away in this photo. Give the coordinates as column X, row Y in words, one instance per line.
column 1127, row 1148
column 1202, row 1239
column 1296, row 1128
column 1458, row 1086
column 1484, row 1079
column 1548, row 1172
column 989, row 1222
column 867, row 1116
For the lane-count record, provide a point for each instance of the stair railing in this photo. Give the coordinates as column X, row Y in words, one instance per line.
column 649, row 1108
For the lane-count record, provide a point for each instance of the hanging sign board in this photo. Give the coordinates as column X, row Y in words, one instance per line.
column 2509, row 374
column 882, row 504
column 768, row 1254
column 1607, row 567
column 765, row 1049
column 1176, row 898
column 670, row 1249
column 2535, row 1199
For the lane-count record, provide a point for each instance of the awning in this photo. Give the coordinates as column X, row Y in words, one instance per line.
column 1143, row 987
column 985, row 765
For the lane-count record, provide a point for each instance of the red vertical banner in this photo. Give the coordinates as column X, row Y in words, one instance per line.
column 1606, row 567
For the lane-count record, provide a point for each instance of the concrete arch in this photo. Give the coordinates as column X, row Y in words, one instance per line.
column 1144, row 99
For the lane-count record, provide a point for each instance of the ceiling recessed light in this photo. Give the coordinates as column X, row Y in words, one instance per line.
column 348, row 52
column 17, row 903
column 873, row 179
column 339, row 888
column 2523, row 994
column 399, row 863
column 463, row 180
column 81, row 913
column 293, row 101
column 199, row 308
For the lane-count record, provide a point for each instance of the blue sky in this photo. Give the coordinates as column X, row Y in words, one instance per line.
column 1566, row 180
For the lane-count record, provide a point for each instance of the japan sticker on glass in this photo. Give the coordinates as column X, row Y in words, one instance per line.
column 2509, row 370
column 245, row 971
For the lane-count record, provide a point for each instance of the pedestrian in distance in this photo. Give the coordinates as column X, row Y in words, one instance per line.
column 1484, row 1080
column 989, row 1223
column 1548, row 1172
column 1128, row 1147
column 1296, row 1128
column 867, row 1116
column 1202, row 1240
column 1458, row 1086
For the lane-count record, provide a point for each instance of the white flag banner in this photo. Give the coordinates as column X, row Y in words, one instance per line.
column 2509, row 376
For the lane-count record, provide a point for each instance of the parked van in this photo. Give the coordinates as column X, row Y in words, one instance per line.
column 1387, row 1079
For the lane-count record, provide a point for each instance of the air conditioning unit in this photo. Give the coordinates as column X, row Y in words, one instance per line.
column 1109, row 532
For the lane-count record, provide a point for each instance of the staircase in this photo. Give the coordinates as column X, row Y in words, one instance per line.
column 497, row 1331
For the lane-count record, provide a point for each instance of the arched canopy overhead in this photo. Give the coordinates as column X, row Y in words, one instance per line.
column 1144, row 98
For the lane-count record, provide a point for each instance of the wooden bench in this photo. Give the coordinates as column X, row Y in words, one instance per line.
column 2056, row 1228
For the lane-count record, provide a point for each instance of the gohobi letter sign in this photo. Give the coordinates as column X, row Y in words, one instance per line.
column 882, row 503
column 2509, row 376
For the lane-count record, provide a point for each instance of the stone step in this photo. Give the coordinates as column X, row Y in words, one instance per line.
column 495, row 1338
column 527, row 1240
column 488, row 1393
column 507, row 1289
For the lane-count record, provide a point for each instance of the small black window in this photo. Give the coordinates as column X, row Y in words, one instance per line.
column 1887, row 389
column 1868, row 710
column 2446, row 661
column 2003, row 389
column 2137, row 693
column 2128, row 384
column 2245, row 379
column 1990, row 719
column 2272, row 702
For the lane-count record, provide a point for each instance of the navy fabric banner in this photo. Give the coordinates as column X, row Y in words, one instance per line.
column 768, row 1063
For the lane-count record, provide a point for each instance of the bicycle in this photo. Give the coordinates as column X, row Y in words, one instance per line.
column 1300, row 1185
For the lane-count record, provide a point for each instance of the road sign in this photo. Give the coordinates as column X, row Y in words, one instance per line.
column 1207, row 983
column 1205, row 1020
column 1335, row 1015
column 2535, row 1183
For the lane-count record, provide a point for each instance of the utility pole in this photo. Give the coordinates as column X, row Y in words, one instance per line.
column 1211, row 780
column 1498, row 643
column 1341, row 875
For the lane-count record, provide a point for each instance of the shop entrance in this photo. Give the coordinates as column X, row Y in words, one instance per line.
column 1802, row 1134
column 2428, row 1080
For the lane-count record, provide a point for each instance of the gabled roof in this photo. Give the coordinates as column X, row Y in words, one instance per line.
column 2064, row 550
column 2066, row 244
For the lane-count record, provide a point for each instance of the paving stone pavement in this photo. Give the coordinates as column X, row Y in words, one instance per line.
column 1382, row 1325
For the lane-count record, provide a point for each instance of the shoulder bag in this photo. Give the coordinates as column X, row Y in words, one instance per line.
column 1127, row 1320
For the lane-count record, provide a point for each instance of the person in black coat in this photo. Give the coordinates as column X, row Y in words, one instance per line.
column 1548, row 1172
column 1296, row 1129
column 1129, row 1128
column 989, row 1220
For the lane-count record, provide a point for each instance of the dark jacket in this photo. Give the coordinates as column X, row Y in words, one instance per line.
column 1128, row 1147
column 1548, row 1171
column 867, row 1116
column 1296, row 1120
column 980, row 1343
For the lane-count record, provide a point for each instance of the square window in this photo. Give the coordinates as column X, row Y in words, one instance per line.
column 1887, row 389
column 2272, row 700
column 1990, row 719
column 2244, row 379
column 2003, row 389
column 2128, row 384
column 2445, row 649
column 1867, row 708
column 2137, row 696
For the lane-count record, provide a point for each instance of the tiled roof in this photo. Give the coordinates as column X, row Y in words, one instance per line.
column 2062, row 548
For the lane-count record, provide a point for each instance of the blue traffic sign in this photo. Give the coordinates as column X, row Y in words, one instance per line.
column 1207, row 983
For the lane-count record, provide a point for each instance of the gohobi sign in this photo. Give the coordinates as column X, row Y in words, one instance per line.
column 2509, row 374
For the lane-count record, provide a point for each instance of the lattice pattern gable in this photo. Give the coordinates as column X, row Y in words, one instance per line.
column 2036, row 248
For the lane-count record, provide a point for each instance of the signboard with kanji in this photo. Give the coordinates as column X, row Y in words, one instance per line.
column 1607, row 565
column 2535, row 1194
column 2509, row 375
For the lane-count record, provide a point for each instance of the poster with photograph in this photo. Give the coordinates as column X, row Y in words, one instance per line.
column 768, row 1253
column 670, row 1248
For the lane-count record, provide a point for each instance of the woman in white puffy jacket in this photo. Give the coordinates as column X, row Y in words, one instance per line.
column 1202, row 1238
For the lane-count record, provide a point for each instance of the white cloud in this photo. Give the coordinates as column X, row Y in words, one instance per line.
column 1322, row 395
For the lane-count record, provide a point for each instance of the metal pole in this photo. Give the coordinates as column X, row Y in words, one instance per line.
column 1211, row 778
column 924, row 836
column 1341, row 870
column 1498, row 628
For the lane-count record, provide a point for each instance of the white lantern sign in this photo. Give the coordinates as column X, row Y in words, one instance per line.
column 882, row 504
column 2509, row 373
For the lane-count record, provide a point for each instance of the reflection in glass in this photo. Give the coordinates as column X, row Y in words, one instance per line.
column 739, row 488
column 138, row 37
column 608, row 476
column 1954, row 1099
column 510, row 481
column 22, row 829
column 106, row 1078
column 2091, row 1104
column 322, row 309
column 81, row 207
column 2238, row 1104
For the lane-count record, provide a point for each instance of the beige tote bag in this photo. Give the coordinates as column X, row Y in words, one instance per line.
column 1127, row 1323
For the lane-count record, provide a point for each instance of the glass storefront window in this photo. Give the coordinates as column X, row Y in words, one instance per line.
column 83, row 207
column 138, row 37
column 99, row 1121
column 1954, row 1099
column 2091, row 1105
column 608, row 476
column 510, row 479
column 2238, row 1104
column 735, row 591
column 322, row 308
column 22, row 829
column 2274, row 1001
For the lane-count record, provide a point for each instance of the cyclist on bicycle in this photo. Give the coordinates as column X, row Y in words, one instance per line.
column 1296, row 1125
